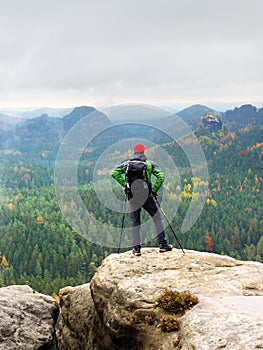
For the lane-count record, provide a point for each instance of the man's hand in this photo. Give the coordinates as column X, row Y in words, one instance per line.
column 153, row 195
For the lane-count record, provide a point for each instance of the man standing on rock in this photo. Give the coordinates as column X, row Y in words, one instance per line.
column 135, row 175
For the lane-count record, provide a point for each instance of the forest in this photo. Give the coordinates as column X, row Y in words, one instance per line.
column 38, row 246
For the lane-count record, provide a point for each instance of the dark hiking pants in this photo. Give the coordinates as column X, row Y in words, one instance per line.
column 151, row 207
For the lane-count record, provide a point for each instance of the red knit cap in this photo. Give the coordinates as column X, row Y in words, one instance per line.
column 139, row 148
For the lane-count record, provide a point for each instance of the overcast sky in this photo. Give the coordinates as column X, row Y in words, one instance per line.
column 66, row 53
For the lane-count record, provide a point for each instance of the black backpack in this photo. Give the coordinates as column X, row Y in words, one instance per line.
column 136, row 169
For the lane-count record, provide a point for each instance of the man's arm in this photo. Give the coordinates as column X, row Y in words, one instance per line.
column 158, row 173
column 117, row 174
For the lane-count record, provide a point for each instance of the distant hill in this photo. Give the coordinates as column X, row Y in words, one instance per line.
column 52, row 112
column 246, row 115
column 7, row 129
column 44, row 133
column 195, row 112
column 6, row 119
column 39, row 132
column 73, row 117
column 235, row 119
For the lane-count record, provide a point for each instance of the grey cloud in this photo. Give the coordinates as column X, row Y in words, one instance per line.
column 165, row 49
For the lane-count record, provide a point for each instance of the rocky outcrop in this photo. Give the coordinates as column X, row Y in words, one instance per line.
column 80, row 326
column 27, row 319
column 113, row 312
column 211, row 122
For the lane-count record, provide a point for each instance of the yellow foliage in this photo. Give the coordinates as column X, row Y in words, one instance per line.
column 231, row 135
column 10, row 206
column 40, row 220
column 19, row 197
column 4, row 263
column 197, row 182
column 186, row 194
column 56, row 297
column 213, row 203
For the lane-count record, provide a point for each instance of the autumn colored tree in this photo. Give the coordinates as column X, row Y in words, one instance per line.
column 209, row 244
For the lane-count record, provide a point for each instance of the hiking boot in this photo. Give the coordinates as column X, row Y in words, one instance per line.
column 165, row 248
column 136, row 250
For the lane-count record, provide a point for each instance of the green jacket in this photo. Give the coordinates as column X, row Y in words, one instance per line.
column 118, row 173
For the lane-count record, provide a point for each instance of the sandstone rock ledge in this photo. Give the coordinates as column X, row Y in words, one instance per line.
column 110, row 313
column 27, row 319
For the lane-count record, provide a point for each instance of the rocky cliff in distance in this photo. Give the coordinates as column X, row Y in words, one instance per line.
column 27, row 319
column 113, row 311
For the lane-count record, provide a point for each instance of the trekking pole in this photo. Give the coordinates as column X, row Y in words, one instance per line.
column 122, row 223
column 159, row 205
